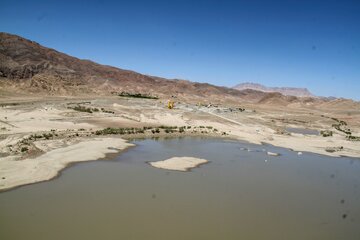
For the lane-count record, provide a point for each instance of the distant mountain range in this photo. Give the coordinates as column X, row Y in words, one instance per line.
column 287, row 91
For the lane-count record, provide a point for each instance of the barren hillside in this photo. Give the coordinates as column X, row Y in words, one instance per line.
column 26, row 67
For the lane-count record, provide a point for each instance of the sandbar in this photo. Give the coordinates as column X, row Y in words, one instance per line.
column 179, row 163
column 47, row 166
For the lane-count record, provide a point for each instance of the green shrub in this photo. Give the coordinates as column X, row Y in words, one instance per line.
column 136, row 95
column 326, row 133
column 24, row 149
column 81, row 109
column 353, row 138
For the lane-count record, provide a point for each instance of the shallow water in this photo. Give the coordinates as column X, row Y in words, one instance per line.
column 303, row 131
column 241, row 194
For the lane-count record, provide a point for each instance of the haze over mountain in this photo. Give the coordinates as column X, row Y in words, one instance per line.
column 287, row 91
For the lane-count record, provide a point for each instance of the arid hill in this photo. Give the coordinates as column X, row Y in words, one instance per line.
column 26, row 67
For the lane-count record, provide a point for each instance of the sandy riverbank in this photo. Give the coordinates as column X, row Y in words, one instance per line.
column 47, row 166
column 40, row 137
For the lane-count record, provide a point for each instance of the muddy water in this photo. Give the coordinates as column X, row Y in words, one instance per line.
column 241, row 194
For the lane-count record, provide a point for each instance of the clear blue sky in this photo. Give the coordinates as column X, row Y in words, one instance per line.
column 314, row 44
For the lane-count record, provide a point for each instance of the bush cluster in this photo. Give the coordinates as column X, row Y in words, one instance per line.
column 136, row 95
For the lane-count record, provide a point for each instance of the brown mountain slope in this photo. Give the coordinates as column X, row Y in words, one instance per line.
column 27, row 66
column 277, row 99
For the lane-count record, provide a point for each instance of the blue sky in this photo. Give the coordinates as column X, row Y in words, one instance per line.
column 313, row 44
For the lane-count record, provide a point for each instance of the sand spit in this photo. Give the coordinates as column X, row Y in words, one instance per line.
column 47, row 166
column 272, row 154
column 179, row 163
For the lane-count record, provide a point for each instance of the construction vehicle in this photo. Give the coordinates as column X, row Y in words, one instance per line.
column 171, row 104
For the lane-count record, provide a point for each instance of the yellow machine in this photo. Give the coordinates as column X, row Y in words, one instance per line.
column 170, row 104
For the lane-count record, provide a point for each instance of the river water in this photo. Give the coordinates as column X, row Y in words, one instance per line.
column 241, row 194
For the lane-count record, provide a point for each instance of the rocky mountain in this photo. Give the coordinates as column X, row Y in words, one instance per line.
column 287, row 91
column 27, row 66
